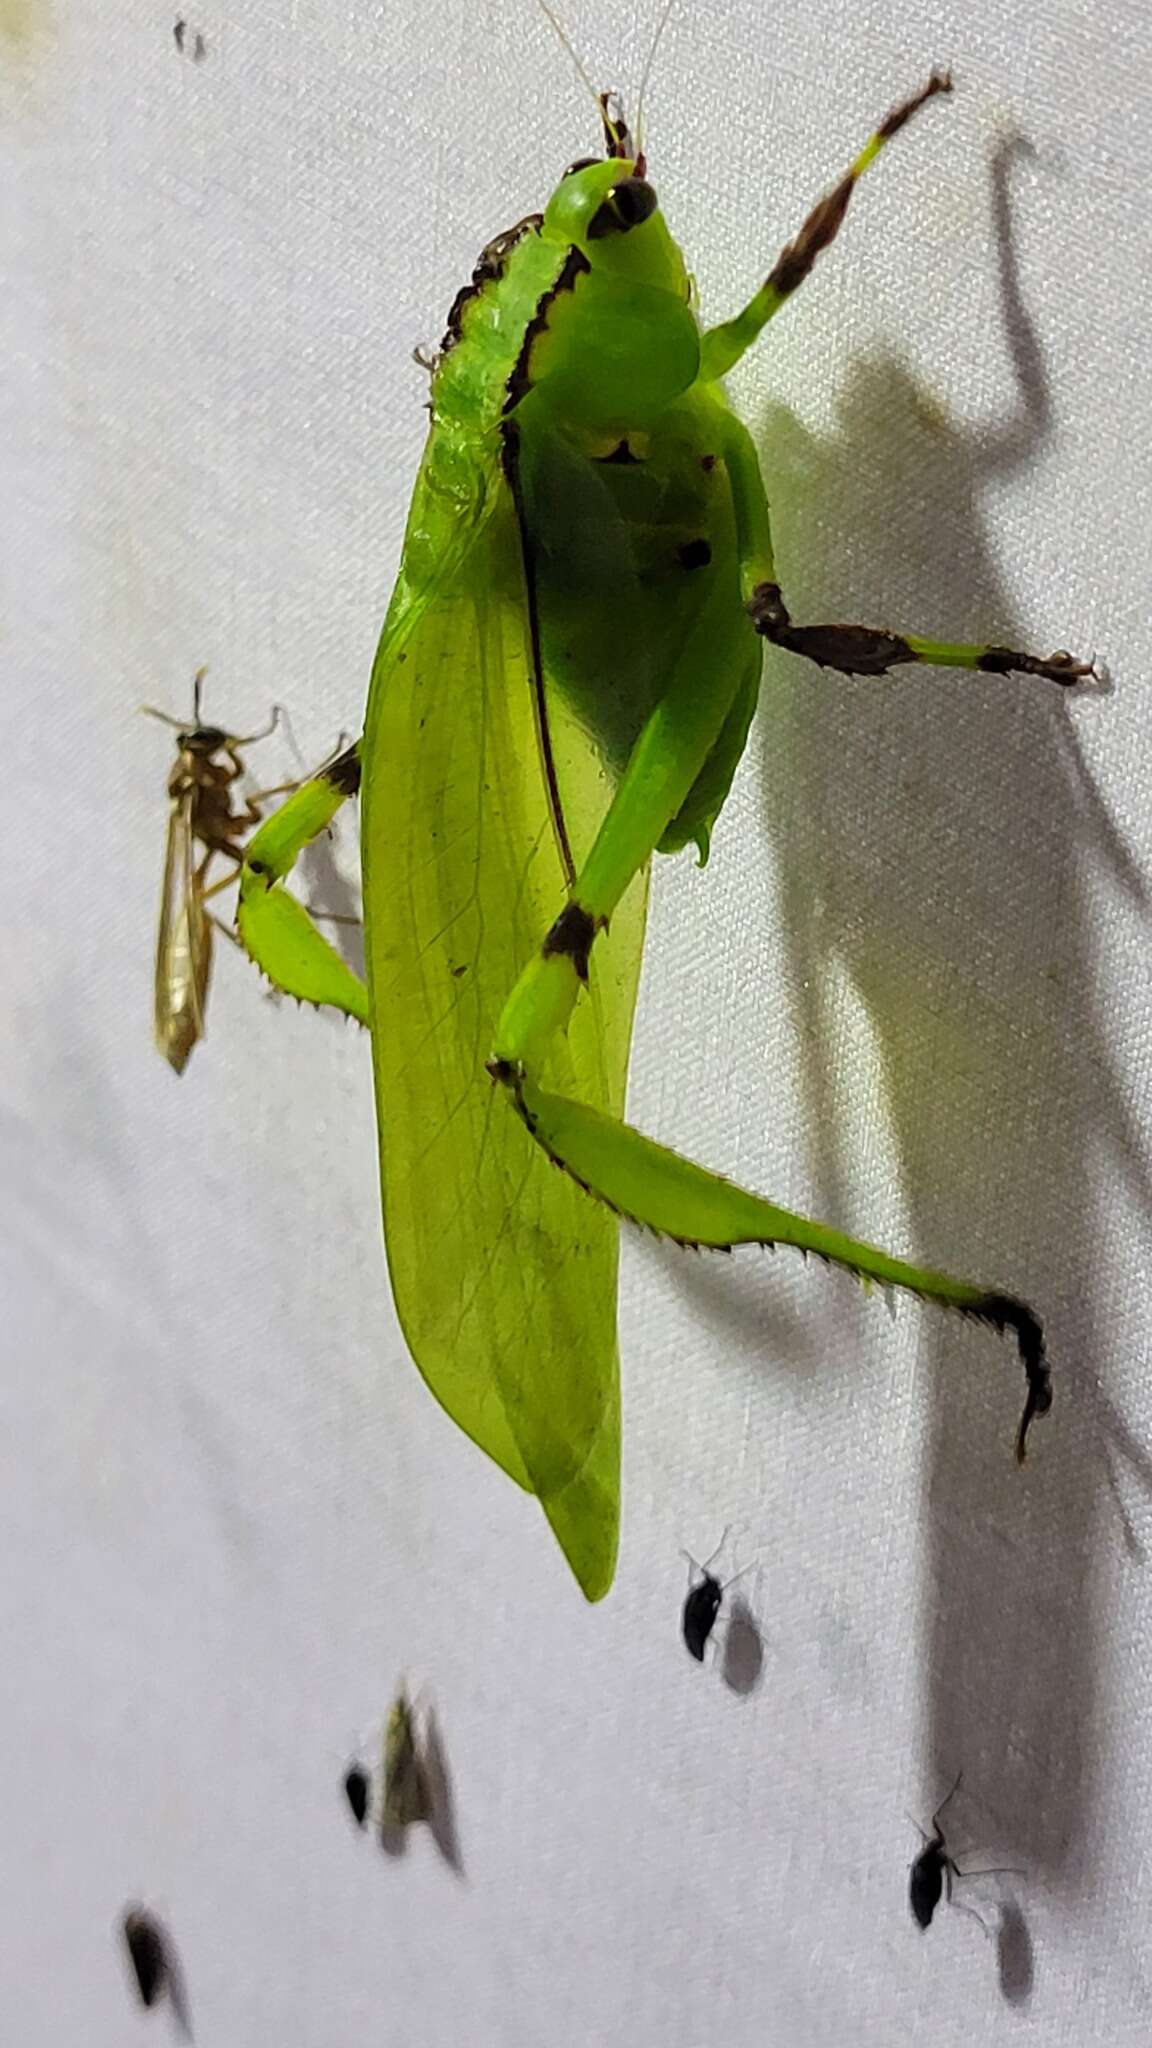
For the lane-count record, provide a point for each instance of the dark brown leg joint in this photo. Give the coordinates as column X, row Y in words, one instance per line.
column 854, row 650
column 572, row 936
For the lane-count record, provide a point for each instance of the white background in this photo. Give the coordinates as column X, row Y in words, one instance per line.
column 912, row 991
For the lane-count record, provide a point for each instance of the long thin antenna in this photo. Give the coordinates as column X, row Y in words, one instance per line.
column 570, row 46
column 646, row 75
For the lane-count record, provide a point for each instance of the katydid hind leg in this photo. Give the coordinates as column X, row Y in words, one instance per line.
column 640, row 1180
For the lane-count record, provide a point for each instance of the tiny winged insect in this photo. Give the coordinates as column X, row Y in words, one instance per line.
column 405, row 1796
column 563, row 688
column 202, row 826
column 934, row 1869
column 703, row 1602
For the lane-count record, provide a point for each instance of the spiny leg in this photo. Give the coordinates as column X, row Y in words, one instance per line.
column 723, row 346
column 643, row 1181
column 639, row 1179
column 275, row 929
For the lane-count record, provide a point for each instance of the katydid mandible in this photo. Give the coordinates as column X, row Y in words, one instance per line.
column 564, row 685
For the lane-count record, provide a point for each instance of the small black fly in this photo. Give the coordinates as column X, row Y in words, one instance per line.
column 702, row 1601
column 935, row 1868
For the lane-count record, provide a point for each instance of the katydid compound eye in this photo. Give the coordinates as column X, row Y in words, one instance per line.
column 582, row 163
column 626, row 205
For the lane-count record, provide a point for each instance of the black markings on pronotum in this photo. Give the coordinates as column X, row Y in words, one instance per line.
column 519, row 383
column 574, row 267
column 571, row 937
column 490, row 266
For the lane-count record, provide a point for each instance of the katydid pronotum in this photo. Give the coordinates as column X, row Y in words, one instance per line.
column 564, row 685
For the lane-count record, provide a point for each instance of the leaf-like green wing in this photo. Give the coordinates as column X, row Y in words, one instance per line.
column 503, row 1271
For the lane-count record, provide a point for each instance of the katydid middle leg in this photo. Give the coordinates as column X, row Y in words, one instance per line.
column 854, row 650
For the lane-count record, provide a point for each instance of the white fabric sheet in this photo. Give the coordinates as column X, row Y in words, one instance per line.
column 912, row 991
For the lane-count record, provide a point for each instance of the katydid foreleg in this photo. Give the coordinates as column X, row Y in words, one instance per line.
column 274, row 928
column 724, row 345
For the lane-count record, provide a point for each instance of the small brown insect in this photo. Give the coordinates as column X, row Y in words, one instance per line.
column 208, row 763
column 405, row 1796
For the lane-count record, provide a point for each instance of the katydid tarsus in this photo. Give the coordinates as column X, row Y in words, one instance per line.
column 563, row 687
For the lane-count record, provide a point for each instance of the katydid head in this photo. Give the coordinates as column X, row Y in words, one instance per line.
column 625, row 304
column 607, row 209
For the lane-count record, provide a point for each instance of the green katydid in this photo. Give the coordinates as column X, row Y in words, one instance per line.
column 563, row 687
